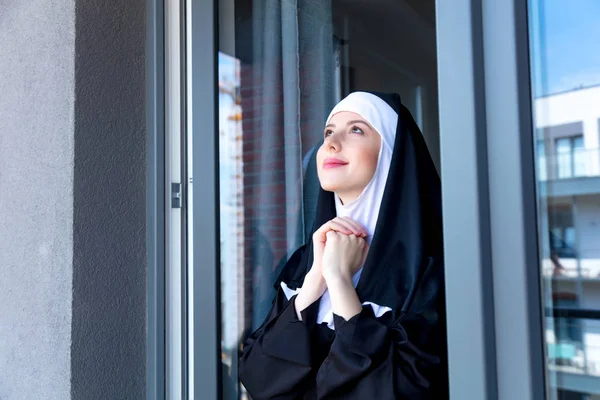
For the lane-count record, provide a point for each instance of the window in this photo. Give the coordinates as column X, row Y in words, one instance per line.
column 567, row 330
column 569, row 157
column 282, row 66
column 565, row 98
column 562, row 231
column 542, row 166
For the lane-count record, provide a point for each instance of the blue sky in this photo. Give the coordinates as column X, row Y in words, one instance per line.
column 226, row 67
column 565, row 39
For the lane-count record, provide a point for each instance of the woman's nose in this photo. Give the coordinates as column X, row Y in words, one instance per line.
column 333, row 144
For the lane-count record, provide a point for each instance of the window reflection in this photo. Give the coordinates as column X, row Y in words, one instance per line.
column 275, row 88
column 566, row 88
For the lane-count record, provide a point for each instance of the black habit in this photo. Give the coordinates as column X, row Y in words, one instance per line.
column 400, row 355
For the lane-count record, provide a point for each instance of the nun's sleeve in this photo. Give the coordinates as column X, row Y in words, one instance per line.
column 385, row 358
column 276, row 359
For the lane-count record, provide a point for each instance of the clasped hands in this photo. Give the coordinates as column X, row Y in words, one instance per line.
column 339, row 249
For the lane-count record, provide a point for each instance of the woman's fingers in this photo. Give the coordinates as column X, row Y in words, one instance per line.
column 348, row 227
column 332, row 225
column 343, row 225
column 356, row 228
column 365, row 252
column 339, row 226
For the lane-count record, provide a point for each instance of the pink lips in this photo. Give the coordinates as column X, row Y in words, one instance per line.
column 331, row 162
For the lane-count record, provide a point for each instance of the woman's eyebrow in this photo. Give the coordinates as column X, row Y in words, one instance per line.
column 355, row 121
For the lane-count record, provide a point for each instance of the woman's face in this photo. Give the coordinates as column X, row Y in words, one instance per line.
column 347, row 160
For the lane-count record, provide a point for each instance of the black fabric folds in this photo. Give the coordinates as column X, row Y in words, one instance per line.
column 400, row 355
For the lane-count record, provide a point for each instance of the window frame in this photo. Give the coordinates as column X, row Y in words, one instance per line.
column 489, row 198
column 204, row 231
column 155, row 201
column 487, row 148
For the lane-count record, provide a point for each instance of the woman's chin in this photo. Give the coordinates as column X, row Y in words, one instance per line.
column 330, row 188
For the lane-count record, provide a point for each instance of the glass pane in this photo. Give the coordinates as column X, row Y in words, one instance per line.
column 579, row 157
column 565, row 64
column 564, row 157
column 542, row 167
column 578, row 143
column 282, row 67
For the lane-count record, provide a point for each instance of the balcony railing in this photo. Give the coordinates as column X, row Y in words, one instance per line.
column 575, row 164
column 572, row 268
column 573, row 340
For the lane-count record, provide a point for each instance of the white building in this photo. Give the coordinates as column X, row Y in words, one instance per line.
column 568, row 167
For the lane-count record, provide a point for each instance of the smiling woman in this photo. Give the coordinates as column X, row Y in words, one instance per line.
column 363, row 301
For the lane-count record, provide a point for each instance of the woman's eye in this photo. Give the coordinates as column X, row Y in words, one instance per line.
column 356, row 129
column 328, row 133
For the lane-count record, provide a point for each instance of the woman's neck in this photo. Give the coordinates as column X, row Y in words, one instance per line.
column 347, row 198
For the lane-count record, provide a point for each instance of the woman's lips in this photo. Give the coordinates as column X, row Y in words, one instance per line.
column 333, row 163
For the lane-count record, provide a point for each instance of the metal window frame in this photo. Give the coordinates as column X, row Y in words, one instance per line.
column 466, row 213
column 176, row 293
column 495, row 322
column 155, row 201
column 493, row 296
column 204, row 246
column 515, row 251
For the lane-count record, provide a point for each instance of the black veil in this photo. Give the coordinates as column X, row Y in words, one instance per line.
column 400, row 353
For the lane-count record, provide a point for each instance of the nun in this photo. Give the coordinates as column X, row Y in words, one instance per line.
column 359, row 311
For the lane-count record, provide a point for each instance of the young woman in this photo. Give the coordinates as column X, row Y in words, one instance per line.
column 359, row 312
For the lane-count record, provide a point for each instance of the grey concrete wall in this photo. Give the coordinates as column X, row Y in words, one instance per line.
column 109, row 269
column 72, row 199
column 36, row 197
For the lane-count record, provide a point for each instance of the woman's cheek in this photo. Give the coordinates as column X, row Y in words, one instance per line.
column 370, row 163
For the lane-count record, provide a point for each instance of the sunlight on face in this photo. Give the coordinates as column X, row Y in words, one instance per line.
column 347, row 160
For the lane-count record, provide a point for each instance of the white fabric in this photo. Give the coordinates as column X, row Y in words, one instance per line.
column 365, row 209
column 327, row 317
column 289, row 293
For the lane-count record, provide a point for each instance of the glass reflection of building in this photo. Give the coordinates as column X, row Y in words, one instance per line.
column 231, row 211
column 567, row 127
